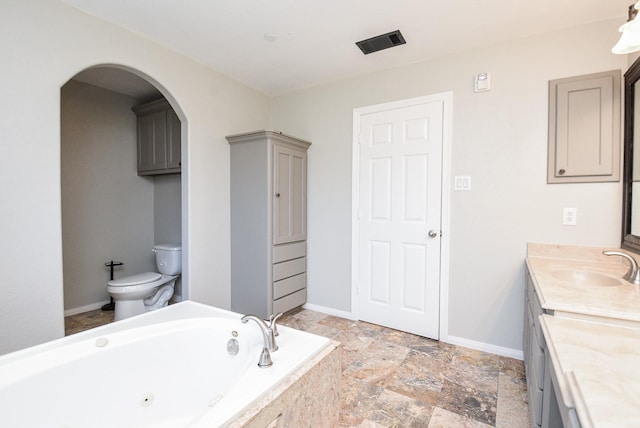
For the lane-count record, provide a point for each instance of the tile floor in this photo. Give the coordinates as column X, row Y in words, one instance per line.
column 395, row 379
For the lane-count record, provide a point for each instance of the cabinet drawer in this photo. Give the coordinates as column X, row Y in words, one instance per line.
column 535, row 405
column 290, row 268
column 291, row 301
column 537, row 366
column 286, row 252
column 289, row 285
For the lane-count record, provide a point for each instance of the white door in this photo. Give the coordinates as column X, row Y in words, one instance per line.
column 400, row 175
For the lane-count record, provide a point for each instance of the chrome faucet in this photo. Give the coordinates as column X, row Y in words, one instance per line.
column 633, row 274
column 269, row 333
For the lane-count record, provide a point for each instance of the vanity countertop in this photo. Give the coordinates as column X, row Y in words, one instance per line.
column 618, row 303
column 597, row 369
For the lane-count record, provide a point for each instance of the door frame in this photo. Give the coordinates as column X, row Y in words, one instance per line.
column 447, row 126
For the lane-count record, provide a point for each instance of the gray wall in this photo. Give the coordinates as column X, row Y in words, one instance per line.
column 499, row 139
column 108, row 211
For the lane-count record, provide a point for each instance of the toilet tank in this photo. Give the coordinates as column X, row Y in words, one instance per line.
column 169, row 258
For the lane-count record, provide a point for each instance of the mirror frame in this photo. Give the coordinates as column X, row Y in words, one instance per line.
column 631, row 77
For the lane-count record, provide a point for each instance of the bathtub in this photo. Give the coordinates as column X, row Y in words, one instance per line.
column 166, row 368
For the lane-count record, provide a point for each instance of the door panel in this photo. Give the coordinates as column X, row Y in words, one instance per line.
column 289, row 201
column 400, row 202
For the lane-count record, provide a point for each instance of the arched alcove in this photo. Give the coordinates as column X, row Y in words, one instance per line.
column 109, row 212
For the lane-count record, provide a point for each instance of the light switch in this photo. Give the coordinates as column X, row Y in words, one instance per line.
column 462, row 182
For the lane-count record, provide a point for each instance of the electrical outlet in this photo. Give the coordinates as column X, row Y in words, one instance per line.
column 569, row 216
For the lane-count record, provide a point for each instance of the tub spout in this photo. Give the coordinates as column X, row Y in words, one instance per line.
column 269, row 341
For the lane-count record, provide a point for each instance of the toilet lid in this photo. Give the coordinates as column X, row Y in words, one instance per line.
column 140, row 278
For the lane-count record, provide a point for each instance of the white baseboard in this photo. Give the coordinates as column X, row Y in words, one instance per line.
column 329, row 311
column 87, row 308
column 485, row 347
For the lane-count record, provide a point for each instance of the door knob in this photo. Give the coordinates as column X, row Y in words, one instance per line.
column 433, row 233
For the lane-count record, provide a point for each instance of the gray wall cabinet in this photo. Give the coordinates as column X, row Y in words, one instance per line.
column 584, row 129
column 159, row 136
column 268, row 222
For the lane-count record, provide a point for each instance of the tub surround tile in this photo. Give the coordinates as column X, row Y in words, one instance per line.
column 308, row 397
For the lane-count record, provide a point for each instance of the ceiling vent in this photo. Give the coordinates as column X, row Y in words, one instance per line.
column 383, row 41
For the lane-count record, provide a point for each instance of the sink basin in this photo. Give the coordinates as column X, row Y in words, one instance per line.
column 585, row 277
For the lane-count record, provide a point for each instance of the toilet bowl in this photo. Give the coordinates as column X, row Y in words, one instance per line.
column 137, row 294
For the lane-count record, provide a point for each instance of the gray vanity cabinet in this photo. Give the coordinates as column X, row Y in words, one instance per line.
column 159, row 137
column 534, row 348
column 268, row 222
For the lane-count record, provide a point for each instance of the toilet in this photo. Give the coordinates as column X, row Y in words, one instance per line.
column 137, row 294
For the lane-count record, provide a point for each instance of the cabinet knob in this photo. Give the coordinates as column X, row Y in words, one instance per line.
column 561, row 172
column 277, row 195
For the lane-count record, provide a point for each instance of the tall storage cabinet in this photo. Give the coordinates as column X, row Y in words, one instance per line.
column 268, row 222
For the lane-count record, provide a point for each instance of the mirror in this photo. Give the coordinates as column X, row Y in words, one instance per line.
column 631, row 207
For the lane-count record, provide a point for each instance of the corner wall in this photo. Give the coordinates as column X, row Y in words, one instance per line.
column 107, row 209
column 43, row 44
column 499, row 139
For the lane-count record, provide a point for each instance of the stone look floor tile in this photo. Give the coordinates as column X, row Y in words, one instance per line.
column 444, row 419
column 377, row 362
column 420, row 376
column 512, row 408
column 396, row 379
column 397, row 410
column 86, row 320
column 470, row 402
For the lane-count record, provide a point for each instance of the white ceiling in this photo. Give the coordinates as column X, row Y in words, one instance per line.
column 316, row 38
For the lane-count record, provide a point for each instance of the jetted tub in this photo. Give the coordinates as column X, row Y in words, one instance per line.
column 166, row 368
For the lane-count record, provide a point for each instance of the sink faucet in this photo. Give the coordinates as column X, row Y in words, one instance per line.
column 633, row 274
column 269, row 333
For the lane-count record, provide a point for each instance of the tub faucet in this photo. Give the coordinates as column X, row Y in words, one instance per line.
column 269, row 340
column 633, row 274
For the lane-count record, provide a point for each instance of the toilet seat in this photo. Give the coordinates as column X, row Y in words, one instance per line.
column 141, row 278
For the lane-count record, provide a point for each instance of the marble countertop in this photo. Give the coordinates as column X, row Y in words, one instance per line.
column 618, row 303
column 597, row 368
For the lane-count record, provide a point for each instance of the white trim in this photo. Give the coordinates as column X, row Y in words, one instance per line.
column 485, row 347
column 447, row 127
column 87, row 308
column 329, row 311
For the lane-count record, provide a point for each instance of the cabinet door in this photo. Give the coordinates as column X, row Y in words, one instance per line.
column 173, row 140
column 152, row 137
column 289, row 194
column 584, row 128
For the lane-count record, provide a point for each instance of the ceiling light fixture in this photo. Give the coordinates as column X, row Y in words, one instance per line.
column 630, row 38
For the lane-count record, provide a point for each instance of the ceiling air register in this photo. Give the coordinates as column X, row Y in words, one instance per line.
column 383, row 41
